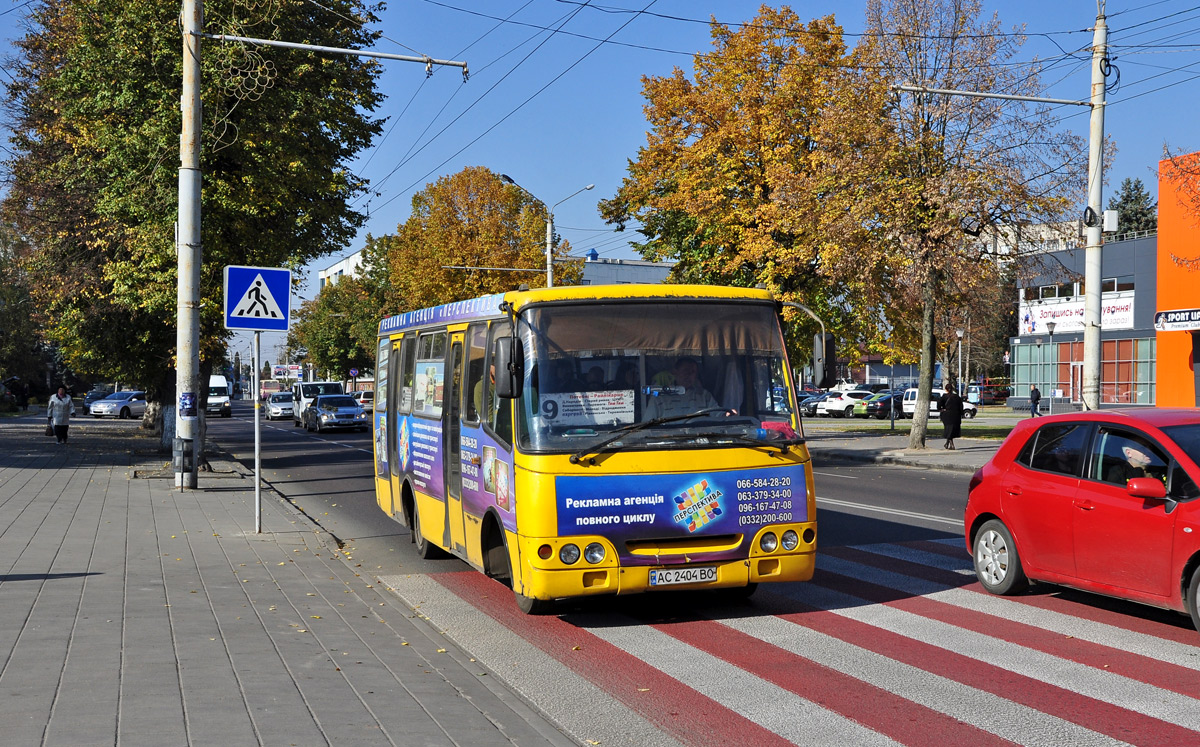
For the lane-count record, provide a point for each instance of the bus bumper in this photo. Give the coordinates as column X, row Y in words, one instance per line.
column 579, row 582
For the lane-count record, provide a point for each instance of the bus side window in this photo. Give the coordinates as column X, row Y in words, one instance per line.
column 500, row 420
column 477, row 346
column 408, row 359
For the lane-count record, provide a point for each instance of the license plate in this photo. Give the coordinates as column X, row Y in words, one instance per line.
column 672, row 576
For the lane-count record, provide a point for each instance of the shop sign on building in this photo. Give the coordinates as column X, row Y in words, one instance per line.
column 1115, row 313
column 1179, row 320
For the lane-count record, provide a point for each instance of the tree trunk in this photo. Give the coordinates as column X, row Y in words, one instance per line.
column 920, row 423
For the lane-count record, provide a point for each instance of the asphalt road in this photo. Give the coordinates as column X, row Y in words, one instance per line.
column 892, row 641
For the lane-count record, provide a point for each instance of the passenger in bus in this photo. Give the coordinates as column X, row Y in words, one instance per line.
column 595, row 379
column 563, row 378
column 627, row 377
column 689, row 394
column 484, row 409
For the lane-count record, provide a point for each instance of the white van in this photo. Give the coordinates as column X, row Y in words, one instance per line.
column 910, row 403
column 219, row 391
column 304, row 392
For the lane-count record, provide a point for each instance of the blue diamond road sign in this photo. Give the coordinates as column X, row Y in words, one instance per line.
column 258, row 298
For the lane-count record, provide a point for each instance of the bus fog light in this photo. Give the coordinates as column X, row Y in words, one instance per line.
column 569, row 553
column 545, row 551
column 790, row 540
column 593, row 553
column 768, row 542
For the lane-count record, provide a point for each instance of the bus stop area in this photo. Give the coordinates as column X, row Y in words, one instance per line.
column 135, row 613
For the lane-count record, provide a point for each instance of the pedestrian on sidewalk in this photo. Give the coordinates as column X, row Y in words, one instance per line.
column 950, row 412
column 1035, row 397
column 59, row 411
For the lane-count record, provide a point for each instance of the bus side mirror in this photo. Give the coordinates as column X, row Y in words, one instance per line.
column 509, row 360
column 823, row 360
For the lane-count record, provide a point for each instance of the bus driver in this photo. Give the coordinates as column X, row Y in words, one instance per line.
column 693, row 397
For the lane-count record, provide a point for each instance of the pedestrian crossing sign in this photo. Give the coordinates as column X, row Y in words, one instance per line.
column 258, row 298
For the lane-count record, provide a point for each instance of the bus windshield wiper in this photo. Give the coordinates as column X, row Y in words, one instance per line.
column 782, row 444
column 625, row 430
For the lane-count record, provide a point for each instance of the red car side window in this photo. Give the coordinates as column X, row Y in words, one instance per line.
column 1056, row 448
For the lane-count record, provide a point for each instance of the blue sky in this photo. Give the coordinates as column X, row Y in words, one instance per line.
column 557, row 110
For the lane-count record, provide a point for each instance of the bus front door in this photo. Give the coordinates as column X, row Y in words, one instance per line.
column 455, row 535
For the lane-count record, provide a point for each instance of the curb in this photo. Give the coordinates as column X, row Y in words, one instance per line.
column 877, row 458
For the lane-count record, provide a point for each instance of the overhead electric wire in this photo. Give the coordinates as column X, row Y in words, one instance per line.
column 531, row 97
column 408, row 156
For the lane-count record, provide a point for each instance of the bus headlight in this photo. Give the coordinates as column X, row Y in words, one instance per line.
column 790, row 540
column 569, row 554
column 768, row 542
column 593, row 553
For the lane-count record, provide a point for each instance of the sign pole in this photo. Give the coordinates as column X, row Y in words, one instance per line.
column 257, row 441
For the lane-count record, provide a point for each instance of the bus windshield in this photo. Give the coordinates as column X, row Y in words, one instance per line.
column 592, row 371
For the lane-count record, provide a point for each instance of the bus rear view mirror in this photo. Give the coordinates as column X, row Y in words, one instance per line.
column 509, row 362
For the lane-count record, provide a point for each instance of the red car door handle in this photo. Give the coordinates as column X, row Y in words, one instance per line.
column 1014, row 490
column 1085, row 505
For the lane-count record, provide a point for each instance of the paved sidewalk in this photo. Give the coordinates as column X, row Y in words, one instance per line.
column 132, row 613
column 884, row 447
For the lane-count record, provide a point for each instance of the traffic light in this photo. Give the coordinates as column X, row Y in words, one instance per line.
column 823, row 360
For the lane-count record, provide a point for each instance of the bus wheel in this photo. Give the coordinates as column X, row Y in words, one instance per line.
column 425, row 549
column 531, row 606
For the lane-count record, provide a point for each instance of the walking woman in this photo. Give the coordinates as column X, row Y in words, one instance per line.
column 59, row 411
column 950, row 411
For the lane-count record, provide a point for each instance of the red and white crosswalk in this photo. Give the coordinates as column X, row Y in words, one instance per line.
column 889, row 644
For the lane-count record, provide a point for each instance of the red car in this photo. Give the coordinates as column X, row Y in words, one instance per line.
column 1101, row 501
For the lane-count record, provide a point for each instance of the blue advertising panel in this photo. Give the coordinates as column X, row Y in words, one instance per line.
column 487, row 476
column 258, row 298
column 625, row 507
column 475, row 308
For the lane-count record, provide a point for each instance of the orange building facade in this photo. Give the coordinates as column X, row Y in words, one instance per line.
column 1178, row 280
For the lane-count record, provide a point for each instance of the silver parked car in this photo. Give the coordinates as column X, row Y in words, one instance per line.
column 279, row 406
column 128, row 404
column 335, row 411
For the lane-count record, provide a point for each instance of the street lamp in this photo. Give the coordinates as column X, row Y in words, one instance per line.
column 549, row 223
column 959, row 385
column 1053, row 363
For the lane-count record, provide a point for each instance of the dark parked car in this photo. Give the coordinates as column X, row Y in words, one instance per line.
column 881, row 406
column 808, row 408
column 335, row 411
column 94, row 396
column 1104, row 501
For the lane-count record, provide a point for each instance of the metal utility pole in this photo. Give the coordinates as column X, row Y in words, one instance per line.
column 187, row 333
column 187, row 242
column 1092, row 219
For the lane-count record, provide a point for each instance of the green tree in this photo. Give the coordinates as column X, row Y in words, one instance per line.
column 20, row 338
column 96, row 93
column 473, row 220
column 338, row 328
column 1136, row 211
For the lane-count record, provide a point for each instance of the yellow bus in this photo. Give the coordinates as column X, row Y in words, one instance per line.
column 624, row 439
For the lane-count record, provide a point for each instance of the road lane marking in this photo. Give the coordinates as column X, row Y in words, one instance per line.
column 957, row 523
column 834, row 474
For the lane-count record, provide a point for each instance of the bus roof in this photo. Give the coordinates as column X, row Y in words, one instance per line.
column 489, row 306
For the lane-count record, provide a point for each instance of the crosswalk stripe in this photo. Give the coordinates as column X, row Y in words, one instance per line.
column 889, row 644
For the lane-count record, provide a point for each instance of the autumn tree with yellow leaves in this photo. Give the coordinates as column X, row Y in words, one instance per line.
column 789, row 159
column 461, row 226
column 967, row 165
column 759, row 168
